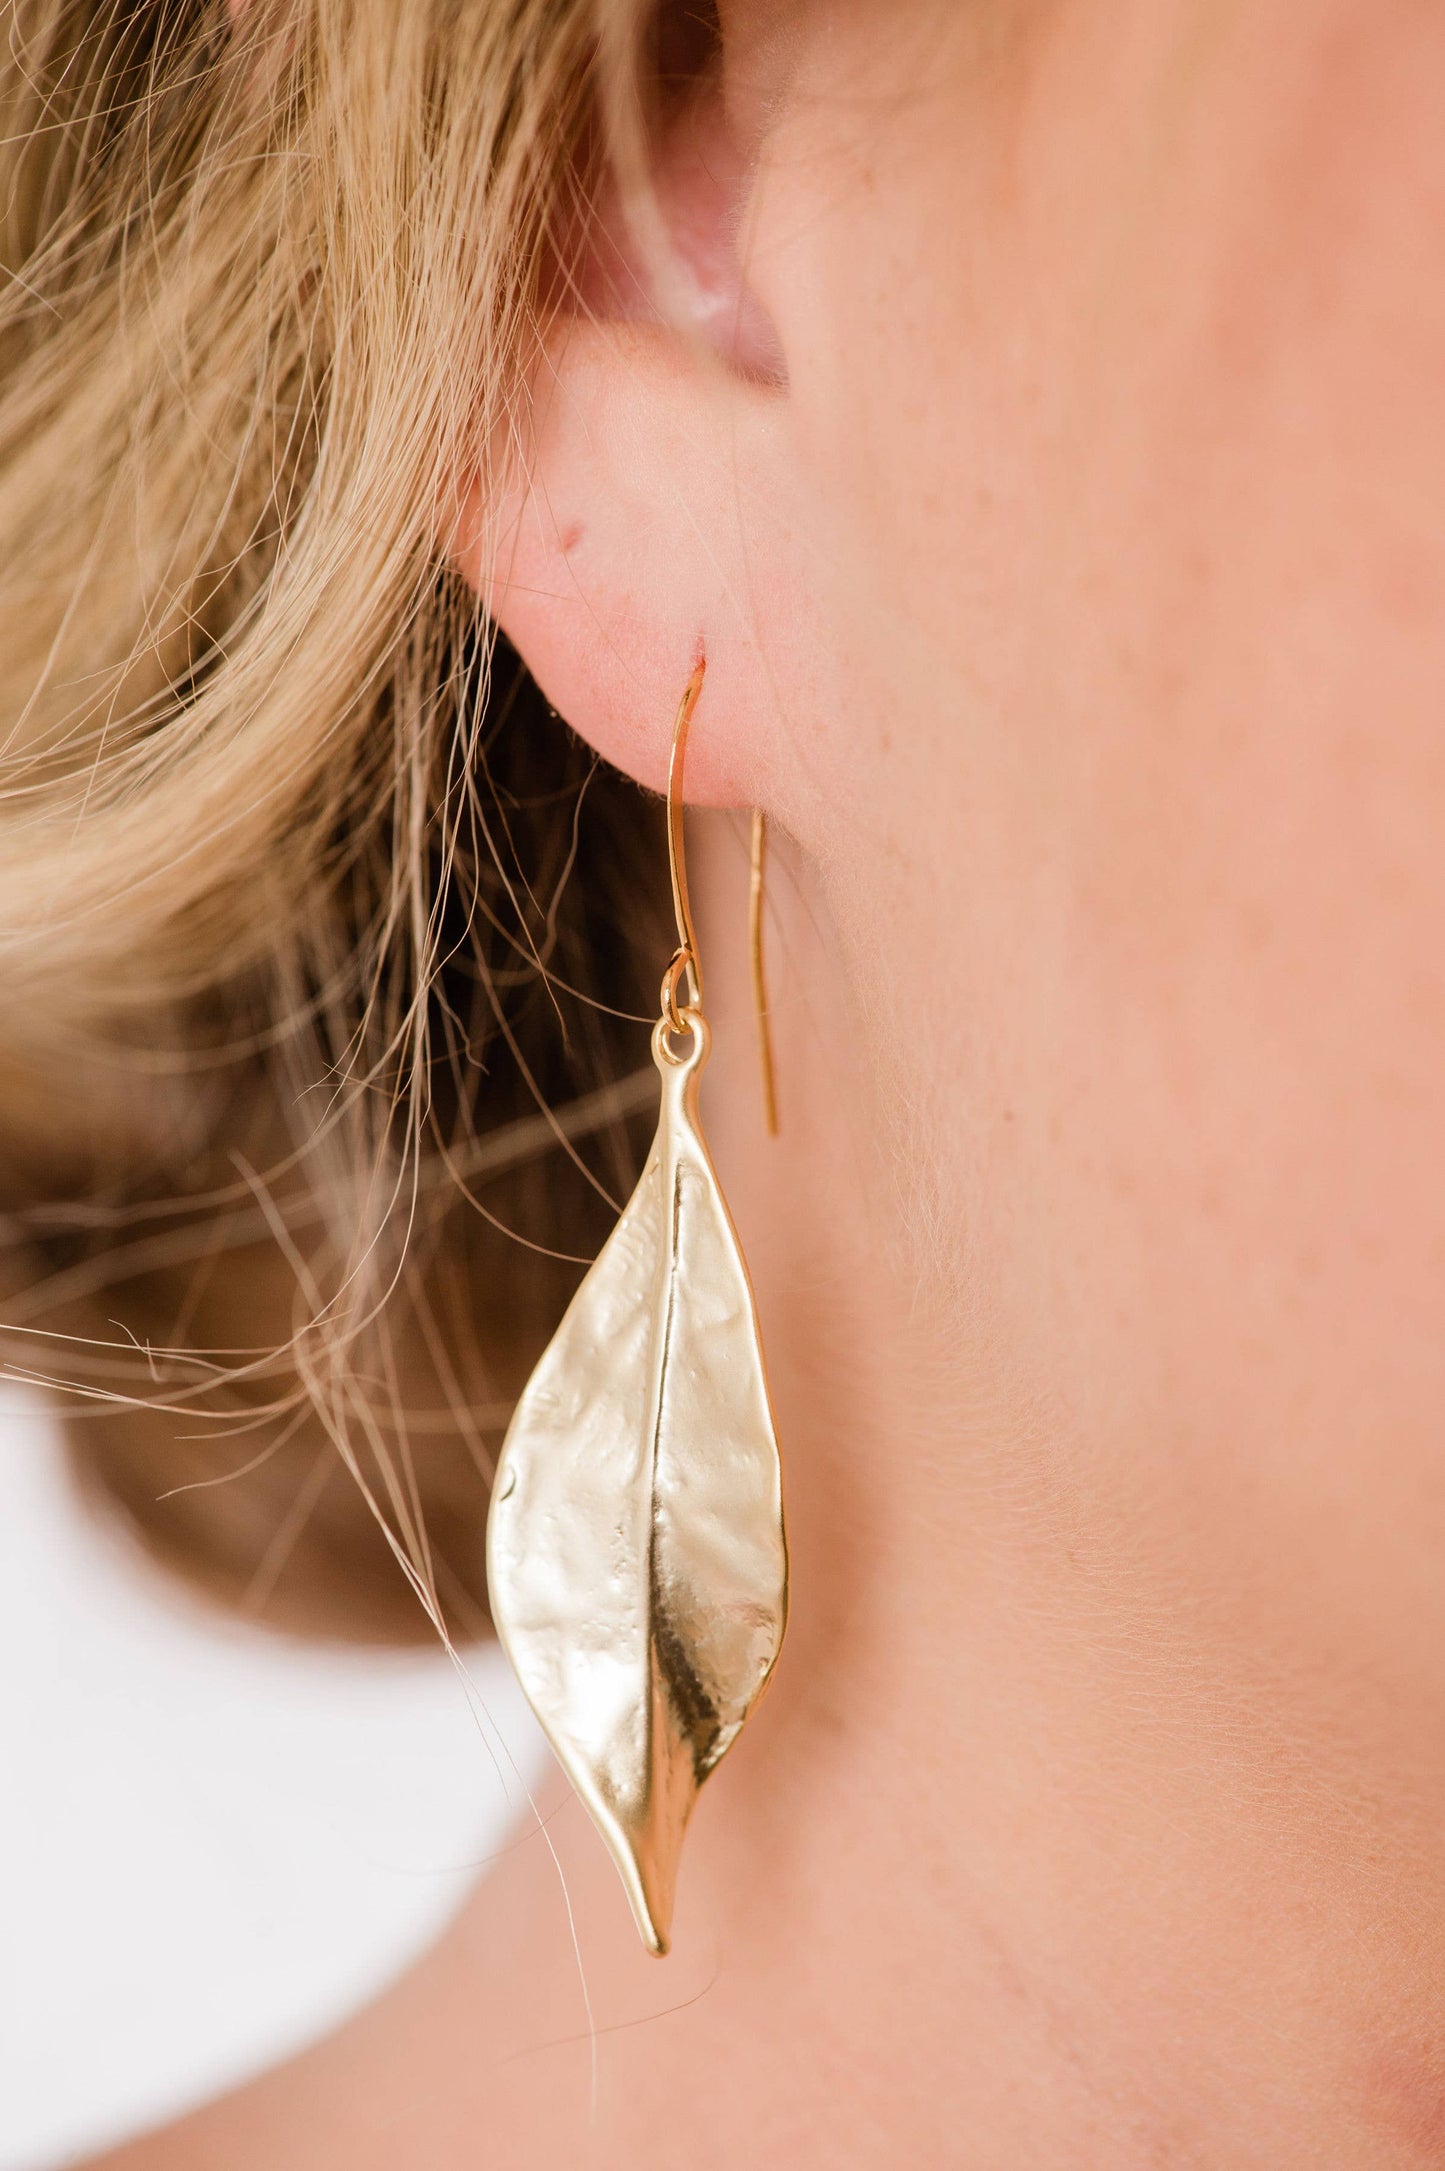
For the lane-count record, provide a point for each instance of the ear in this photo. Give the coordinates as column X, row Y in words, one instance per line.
column 646, row 510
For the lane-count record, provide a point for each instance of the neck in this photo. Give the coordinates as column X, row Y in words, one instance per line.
column 1014, row 1834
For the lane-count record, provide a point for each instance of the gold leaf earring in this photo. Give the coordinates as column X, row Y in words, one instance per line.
column 635, row 1548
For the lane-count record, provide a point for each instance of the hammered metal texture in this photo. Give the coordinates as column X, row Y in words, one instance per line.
column 635, row 1546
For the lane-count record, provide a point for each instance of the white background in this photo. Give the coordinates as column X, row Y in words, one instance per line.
column 213, row 1843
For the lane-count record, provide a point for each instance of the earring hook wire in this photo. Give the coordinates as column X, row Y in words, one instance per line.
column 685, row 961
column 685, row 957
column 757, row 866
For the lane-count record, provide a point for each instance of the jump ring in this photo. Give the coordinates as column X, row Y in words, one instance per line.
column 672, row 1016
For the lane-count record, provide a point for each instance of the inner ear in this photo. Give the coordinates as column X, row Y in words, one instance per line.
column 661, row 232
column 687, row 44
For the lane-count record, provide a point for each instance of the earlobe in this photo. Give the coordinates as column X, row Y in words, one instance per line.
column 643, row 514
column 643, row 521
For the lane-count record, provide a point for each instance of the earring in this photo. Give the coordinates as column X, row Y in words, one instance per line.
column 635, row 1549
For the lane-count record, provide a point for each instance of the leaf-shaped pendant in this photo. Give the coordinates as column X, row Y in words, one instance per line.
column 635, row 1546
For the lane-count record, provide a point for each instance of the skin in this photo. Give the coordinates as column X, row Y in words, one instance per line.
column 1071, row 603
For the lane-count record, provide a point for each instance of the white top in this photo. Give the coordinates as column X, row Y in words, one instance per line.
column 214, row 1844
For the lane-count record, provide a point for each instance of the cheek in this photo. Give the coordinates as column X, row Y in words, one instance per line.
column 1130, row 513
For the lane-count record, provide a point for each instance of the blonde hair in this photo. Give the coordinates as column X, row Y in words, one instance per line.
column 295, row 961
